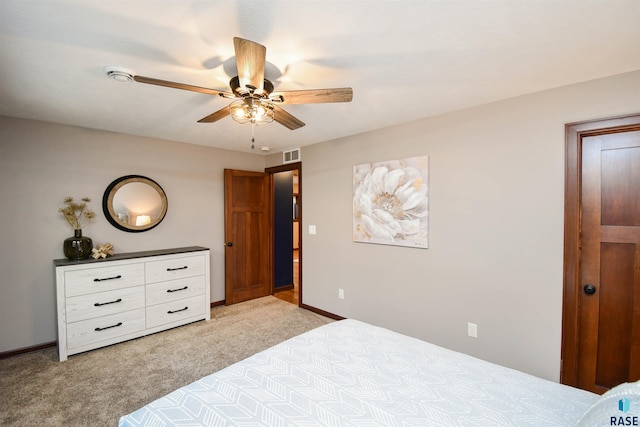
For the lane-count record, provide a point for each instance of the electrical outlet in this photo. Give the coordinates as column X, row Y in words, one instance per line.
column 472, row 330
column 341, row 293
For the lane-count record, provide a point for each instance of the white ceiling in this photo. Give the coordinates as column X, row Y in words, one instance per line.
column 404, row 59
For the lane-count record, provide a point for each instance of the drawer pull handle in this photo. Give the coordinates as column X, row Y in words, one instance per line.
column 176, row 290
column 178, row 268
column 98, row 304
column 108, row 278
column 177, row 311
column 108, row 327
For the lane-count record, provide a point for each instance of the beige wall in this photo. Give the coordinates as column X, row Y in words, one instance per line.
column 495, row 218
column 42, row 163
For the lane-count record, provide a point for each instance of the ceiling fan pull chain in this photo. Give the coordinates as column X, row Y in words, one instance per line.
column 253, row 140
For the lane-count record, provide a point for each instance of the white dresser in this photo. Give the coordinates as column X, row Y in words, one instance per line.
column 103, row 302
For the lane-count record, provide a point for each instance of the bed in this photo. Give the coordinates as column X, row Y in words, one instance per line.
column 349, row 373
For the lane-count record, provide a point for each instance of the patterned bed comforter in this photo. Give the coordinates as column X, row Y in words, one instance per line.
column 350, row 373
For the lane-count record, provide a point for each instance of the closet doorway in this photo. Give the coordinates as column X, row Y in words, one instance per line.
column 287, row 216
column 601, row 304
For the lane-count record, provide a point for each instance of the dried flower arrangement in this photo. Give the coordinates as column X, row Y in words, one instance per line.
column 77, row 214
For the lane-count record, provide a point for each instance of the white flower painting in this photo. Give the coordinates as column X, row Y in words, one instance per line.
column 390, row 202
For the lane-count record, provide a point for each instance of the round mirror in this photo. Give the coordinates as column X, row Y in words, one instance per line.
column 134, row 203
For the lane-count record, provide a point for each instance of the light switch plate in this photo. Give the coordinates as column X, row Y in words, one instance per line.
column 312, row 229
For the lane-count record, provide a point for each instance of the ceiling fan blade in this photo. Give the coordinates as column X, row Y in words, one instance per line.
column 286, row 119
column 166, row 83
column 313, row 96
column 250, row 60
column 214, row 117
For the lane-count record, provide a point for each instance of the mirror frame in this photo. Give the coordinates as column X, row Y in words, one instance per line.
column 110, row 192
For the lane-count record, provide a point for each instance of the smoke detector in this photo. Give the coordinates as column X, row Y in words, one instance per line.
column 119, row 74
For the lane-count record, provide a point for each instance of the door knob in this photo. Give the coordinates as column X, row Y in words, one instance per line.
column 589, row 289
column 229, row 244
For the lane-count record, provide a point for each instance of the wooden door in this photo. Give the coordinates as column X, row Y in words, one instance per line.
column 248, row 268
column 601, row 317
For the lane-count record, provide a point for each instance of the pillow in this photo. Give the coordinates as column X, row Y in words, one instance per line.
column 619, row 406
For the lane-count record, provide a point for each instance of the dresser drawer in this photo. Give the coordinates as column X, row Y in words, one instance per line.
column 175, row 268
column 91, row 280
column 175, row 311
column 86, row 332
column 99, row 304
column 173, row 290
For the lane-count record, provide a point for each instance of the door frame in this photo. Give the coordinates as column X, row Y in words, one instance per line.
column 574, row 133
column 297, row 166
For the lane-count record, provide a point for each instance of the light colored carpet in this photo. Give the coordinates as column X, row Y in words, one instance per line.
column 97, row 387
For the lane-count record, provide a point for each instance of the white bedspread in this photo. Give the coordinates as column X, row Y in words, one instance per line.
column 349, row 373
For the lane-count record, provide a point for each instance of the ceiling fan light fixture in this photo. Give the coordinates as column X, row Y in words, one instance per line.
column 119, row 74
column 252, row 110
column 255, row 101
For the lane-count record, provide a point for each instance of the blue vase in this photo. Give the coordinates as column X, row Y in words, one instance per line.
column 78, row 246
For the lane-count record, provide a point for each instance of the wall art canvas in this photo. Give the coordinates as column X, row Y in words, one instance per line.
column 390, row 202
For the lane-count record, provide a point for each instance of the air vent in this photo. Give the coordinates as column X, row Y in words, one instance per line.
column 291, row 156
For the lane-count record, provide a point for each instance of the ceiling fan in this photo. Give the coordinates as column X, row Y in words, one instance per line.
column 256, row 101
